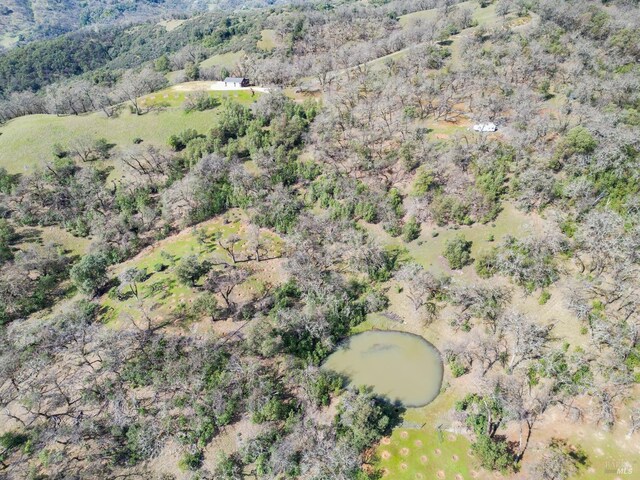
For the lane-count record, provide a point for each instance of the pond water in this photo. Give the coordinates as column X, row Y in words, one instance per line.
column 397, row 365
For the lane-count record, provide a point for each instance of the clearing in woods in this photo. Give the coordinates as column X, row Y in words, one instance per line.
column 23, row 146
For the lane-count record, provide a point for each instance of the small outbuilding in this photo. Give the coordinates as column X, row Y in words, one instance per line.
column 236, row 82
column 485, row 127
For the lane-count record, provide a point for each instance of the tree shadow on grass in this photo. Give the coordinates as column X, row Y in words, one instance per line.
column 161, row 289
column 30, row 235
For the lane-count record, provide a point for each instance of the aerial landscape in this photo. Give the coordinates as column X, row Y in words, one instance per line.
column 320, row 239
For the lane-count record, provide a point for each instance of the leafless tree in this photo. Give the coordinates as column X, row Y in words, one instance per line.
column 225, row 281
column 134, row 85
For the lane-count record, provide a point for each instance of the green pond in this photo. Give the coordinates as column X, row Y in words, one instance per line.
column 397, row 365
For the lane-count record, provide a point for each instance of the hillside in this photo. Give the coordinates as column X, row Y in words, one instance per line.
column 23, row 21
column 406, row 248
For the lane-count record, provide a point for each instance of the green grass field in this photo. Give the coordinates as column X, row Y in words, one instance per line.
column 171, row 25
column 411, row 454
column 484, row 16
column 161, row 292
column 171, row 97
column 268, row 40
column 53, row 235
column 27, row 142
column 427, row 250
column 227, row 60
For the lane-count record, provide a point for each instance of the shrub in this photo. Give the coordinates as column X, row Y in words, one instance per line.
column 179, row 142
column 102, row 148
column 191, row 461
column 59, row 151
column 457, row 369
column 457, row 251
column 90, row 273
column 411, row 230
column 200, row 102
column 229, row 467
column 323, row 385
column 448, row 209
column 486, row 263
column 493, row 453
column 189, row 270
column 544, row 297
column 206, row 304
column 7, row 236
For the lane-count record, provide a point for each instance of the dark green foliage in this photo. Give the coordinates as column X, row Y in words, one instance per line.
column 457, row 369
column 346, row 198
column 192, row 71
column 212, row 199
column 424, row 182
column 207, row 305
column 7, row 237
column 90, row 273
column 36, row 65
column 102, row 147
column 493, row 453
column 363, row 419
column 393, row 258
column 162, row 64
column 132, row 200
column 191, row 460
column 491, row 179
column 411, row 230
column 229, row 467
column 485, row 264
column 286, row 295
column 457, row 251
column 200, row 103
column 448, row 209
column 234, row 120
column 571, row 375
column 100, row 52
column 139, row 443
column 341, row 312
column 532, row 262
column 179, row 142
column 11, row 440
column 7, row 181
column 484, row 414
column 395, row 199
column 578, row 141
column 280, row 212
column 190, row 269
column 323, row 385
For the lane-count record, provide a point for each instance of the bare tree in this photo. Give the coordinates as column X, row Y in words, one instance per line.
column 225, row 281
column 134, row 85
column 422, row 287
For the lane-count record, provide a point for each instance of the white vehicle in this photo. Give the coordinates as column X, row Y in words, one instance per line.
column 485, row 127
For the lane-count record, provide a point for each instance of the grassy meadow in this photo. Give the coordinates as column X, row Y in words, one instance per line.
column 268, row 40
column 27, row 142
column 161, row 292
column 226, row 60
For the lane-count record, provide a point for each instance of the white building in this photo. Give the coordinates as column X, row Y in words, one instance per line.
column 236, row 82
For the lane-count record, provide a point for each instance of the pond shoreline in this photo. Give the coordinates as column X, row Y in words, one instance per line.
column 400, row 366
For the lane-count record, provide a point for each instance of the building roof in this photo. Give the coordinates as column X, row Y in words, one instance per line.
column 234, row 79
